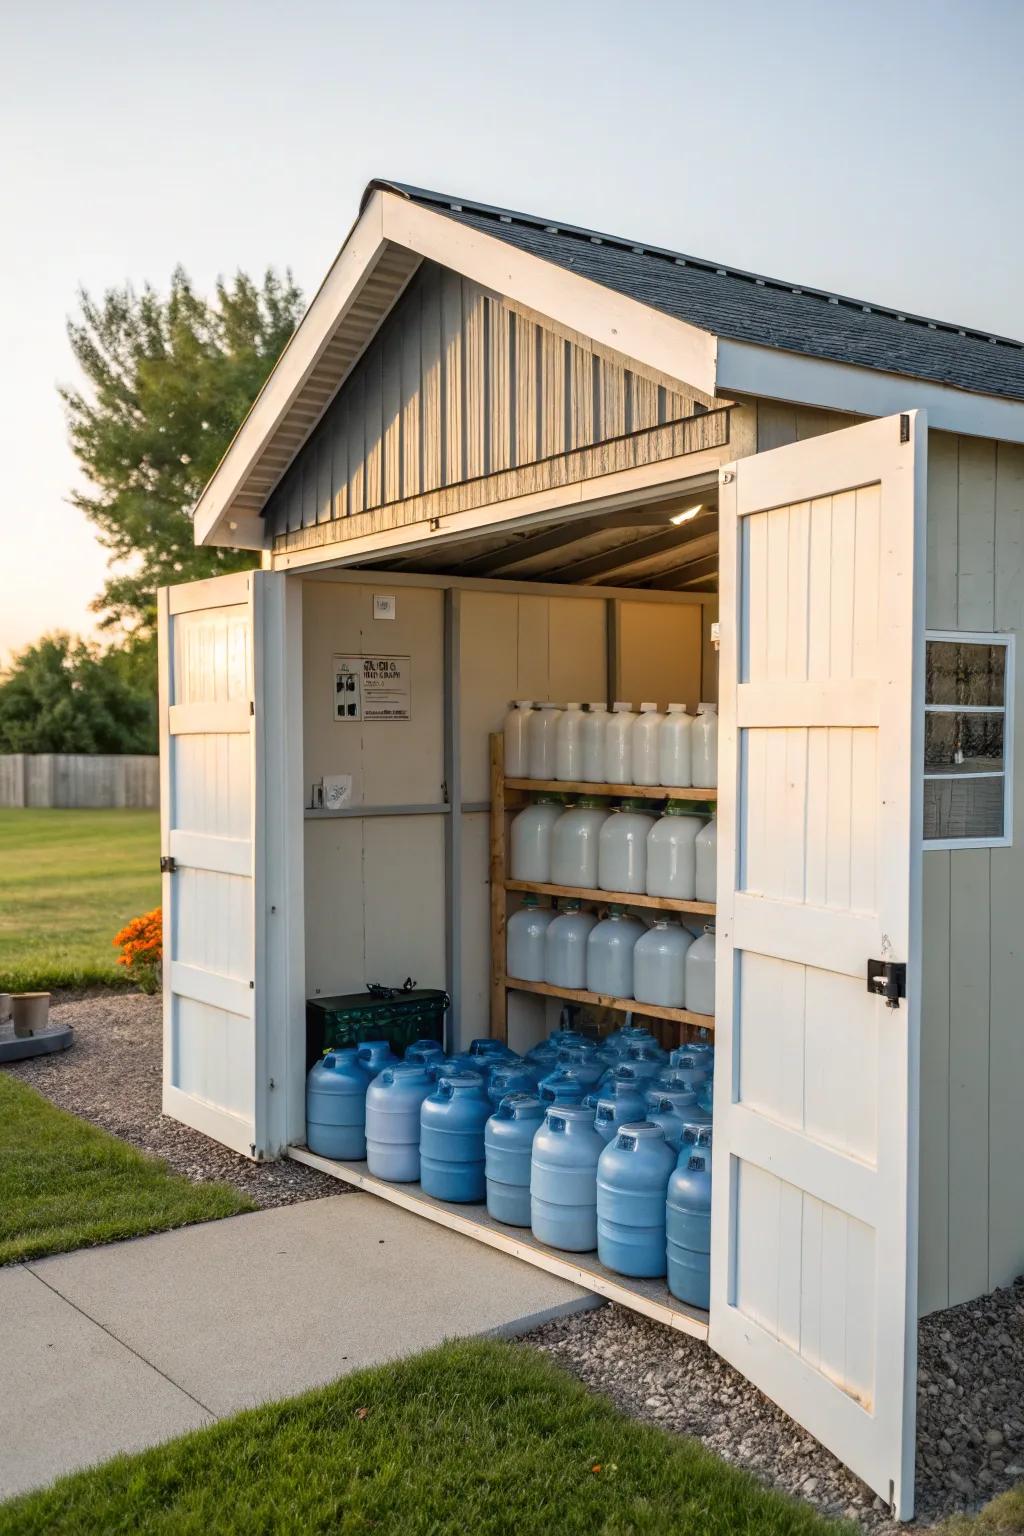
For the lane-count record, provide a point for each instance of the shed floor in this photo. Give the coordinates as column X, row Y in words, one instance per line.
column 116, row 1348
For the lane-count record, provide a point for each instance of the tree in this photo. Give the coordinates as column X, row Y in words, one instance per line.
column 65, row 695
column 168, row 382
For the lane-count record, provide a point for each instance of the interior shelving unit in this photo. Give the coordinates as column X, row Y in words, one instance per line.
column 509, row 794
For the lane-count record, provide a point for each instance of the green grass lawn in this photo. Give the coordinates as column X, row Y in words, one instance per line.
column 475, row 1438
column 65, row 1184
column 70, row 880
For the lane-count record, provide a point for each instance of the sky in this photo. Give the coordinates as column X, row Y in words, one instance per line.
column 871, row 148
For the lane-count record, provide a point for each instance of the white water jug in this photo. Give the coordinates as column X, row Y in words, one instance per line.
column 517, row 757
column 706, row 849
column 525, row 935
column 645, row 746
column 672, row 852
column 659, row 964
column 565, row 946
column 700, row 973
column 540, row 741
column 574, row 843
column 622, row 848
column 610, row 953
column 569, row 743
column 674, row 748
column 595, row 723
column 618, row 745
column 530, row 840
column 704, row 747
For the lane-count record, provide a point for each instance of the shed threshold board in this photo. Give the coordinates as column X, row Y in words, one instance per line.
column 651, row 1297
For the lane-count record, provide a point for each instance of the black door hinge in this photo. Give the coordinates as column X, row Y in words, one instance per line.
column 888, row 979
column 904, row 428
column 167, row 864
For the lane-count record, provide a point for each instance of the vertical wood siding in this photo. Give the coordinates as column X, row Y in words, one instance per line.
column 459, row 384
column 972, row 1021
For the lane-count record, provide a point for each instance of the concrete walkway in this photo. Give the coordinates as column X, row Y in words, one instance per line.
column 117, row 1348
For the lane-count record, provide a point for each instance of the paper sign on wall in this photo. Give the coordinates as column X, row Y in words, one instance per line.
column 372, row 688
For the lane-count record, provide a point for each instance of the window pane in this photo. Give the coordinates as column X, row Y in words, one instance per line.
column 963, row 808
column 964, row 674
column 963, row 743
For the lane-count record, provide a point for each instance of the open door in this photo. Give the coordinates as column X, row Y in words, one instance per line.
column 224, row 844
column 814, row 1250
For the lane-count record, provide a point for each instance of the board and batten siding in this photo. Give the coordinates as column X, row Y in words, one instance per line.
column 972, row 1015
column 459, row 385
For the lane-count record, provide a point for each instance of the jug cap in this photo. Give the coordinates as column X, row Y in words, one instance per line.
column 647, row 708
column 576, row 705
column 677, row 709
column 705, row 708
column 634, row 803
column 591, row 803
column 598, row 709
column 640, row 1130
column 524, row 703
column 682, row 808
column 622, row 707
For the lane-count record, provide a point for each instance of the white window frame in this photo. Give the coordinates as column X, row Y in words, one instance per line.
column 1007, row 641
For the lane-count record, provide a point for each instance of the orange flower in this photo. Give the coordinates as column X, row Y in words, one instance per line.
column 141, row 940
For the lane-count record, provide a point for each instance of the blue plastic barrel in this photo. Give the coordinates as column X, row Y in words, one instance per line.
column 688, row 1219
column 562, row 1086
column 585, row 1061
column 646, row 1057
column 511, row 1077
column 393, row 1103
column 508, row 1142
column 452, row 1121
column 673, row 1110
column 620, row 1100
column 336, row 1106
column 563, row 1179
column 632, row 1179
column 375, row 1055
column 424, row 1051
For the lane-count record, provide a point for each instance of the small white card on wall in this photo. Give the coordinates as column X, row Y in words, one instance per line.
column 337, row 790
column 383, row 606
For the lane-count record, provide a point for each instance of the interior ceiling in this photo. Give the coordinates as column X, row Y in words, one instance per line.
column 637, row 547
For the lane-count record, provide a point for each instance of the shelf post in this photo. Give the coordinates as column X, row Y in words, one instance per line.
column 499, row 995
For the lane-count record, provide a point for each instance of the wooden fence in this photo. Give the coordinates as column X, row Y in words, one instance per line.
column 73, row 780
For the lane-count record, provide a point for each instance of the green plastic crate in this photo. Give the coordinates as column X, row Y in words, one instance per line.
column 399, row 1015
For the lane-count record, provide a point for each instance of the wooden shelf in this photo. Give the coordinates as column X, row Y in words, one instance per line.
column 614, row 898
column 614, row 791
column 621, row 1004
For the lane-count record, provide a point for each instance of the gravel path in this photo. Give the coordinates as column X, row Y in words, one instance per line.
column 970, row 1405
column 111, row 1076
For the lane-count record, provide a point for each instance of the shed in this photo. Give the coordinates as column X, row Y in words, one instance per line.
column 520, row 459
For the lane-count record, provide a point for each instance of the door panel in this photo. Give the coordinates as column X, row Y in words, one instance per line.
column 222, row 671
column 814, row 1251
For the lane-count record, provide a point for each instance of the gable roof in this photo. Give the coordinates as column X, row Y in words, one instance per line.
column 744, row 306
column 718, row 332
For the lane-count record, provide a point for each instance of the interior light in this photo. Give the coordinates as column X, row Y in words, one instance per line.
column 684, row 517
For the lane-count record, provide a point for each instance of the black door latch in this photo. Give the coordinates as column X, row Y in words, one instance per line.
column 167, row 864
column 888, row 979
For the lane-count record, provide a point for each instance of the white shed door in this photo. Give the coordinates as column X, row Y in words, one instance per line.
column 212, row 827
column 813, row 1288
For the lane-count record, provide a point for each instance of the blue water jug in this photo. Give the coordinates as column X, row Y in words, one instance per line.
column 492, row 1050
column 686, row 1066
column 585, row 1061
column 669, row 1080
column 511, row 1077
column 704, row 1053
column 646, row 1057
column 508, row 1142
column 336, row 1106
column 393, row 1102
column 688, row 1219
column 452, row 1122
column 673, row 1110
column 620, row 1040
column 619, row 1100
column 543, row 1056
column 375, row 1055
column 632, row 1179
column 424, row 1051
column 562, row 1086
column 700, row 1111
column 563, row 1179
